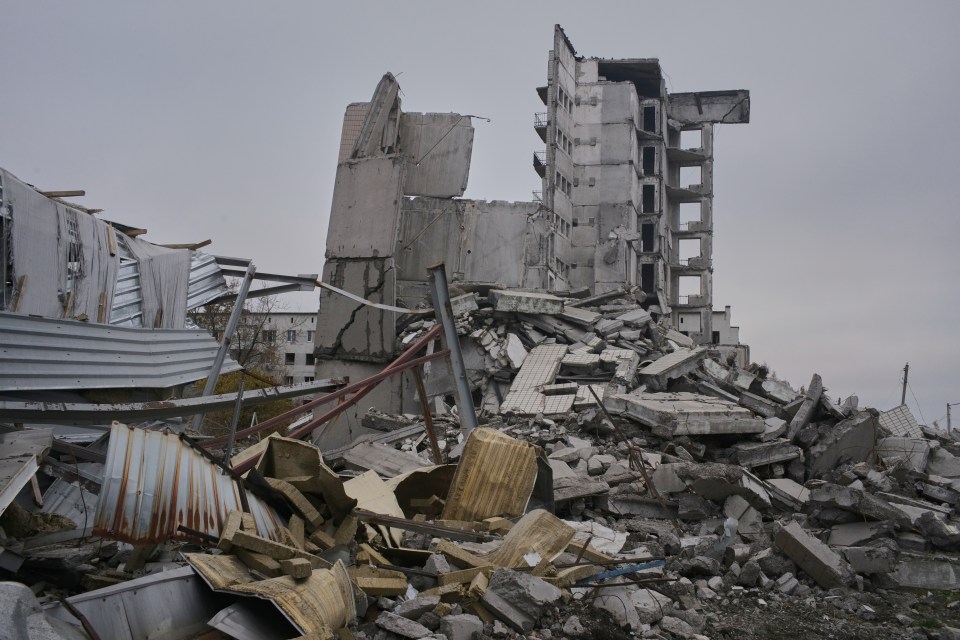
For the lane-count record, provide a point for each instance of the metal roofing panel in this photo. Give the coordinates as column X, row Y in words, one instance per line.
column 206, row 283
column 154, row 482
column 43, row 353
column 172, row 605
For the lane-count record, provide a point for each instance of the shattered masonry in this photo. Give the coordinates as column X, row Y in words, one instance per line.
column 629, row 474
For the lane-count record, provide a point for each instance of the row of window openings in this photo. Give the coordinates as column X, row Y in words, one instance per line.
column 564, row 101
column 311, row 319
column 270, row 335
column 564, row 142
column 291, row 358
column 563, row 269
column 563, row 184
column 289, row 379
column 562, row 226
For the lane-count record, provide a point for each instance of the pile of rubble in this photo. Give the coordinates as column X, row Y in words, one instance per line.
column 623, row 482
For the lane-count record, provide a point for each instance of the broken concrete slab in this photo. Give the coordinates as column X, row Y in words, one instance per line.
column 518, row 598
column 820, row 562
column 853, row 534
column 758, row 454
column 658, row 374
column 787, row 494
column 401, row 626
column 525, row 302
column 773, row 428
column 856, row 501
column 943, row 463
column 778, row 390
column 807, row 408
column 911, row 452
column 461, row 626
column 871, row 560
column 717, row 482
column 672, row 414
column 760, row 406
column 927, row 574
column 852, row 440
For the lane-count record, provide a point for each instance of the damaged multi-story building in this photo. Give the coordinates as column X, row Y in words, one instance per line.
column 626, row 203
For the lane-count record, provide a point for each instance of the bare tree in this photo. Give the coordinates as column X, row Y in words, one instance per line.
column 255, row 344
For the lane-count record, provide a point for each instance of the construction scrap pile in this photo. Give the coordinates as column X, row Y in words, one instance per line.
column 622, row 481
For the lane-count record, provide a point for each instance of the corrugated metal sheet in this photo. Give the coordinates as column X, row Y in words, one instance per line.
column 72, row 501
column 42, row 353
column 172, row 605
column 206, row 283
column 154, row 482
column 319, row 604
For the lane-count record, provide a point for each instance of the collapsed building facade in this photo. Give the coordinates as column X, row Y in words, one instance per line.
column 617, row 210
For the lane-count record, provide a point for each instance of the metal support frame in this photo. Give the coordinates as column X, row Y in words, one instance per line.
column 227, row 339
column 444, row 313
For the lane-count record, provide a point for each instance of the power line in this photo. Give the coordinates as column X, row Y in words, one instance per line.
column 910, row 386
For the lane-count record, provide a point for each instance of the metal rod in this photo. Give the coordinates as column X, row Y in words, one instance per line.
column 233, row 423
column 299, row 432
column 206, row 537
column 428, row 416
column 636, row 460
column 330, row 397
column 227, row 339
column 444, row 313
column 906, row 372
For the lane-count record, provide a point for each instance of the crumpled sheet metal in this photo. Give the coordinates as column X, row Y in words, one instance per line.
column 495, row 477
column 154, row 482
column 319, row 604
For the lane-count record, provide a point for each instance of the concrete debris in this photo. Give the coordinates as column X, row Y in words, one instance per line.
column 627, row 466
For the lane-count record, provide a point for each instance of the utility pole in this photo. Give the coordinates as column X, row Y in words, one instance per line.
column 906, row 372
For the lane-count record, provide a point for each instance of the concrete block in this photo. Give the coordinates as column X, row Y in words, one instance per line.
column 852, row 440
column 778, row 390
column 758, row 454
column 820, row 562
column 514, row 350
column 638, row 318
column 460, row 627
column 525, row 302
column 760, row 406
column 856, row 501
column 518, row 598
column 807, row 407
column 773, row 428
column 927, row 574
column 416, row 607
column 658, row 374
column 870, row 560
column 297, row 568
column 943, row 463
column 677, row 627
column 857, row 533
column 401, row 626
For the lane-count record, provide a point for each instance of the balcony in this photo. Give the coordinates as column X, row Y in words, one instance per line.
column 540, row 163
column 542, row 92
column 538, row 196
column 540, row 125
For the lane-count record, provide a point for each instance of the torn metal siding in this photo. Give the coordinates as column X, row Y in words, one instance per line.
column 206, row 283
column 43, row 354
column 154, row 482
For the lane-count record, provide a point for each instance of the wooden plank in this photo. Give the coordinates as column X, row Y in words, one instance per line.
column 102, row 308
column 112, row 239
column 69, row 193
column 193, row 246
column 21, row 287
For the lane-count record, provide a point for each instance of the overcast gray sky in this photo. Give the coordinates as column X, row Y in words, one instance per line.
column 836, row 223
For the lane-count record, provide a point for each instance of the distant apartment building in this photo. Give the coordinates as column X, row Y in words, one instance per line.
column 293, row 333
